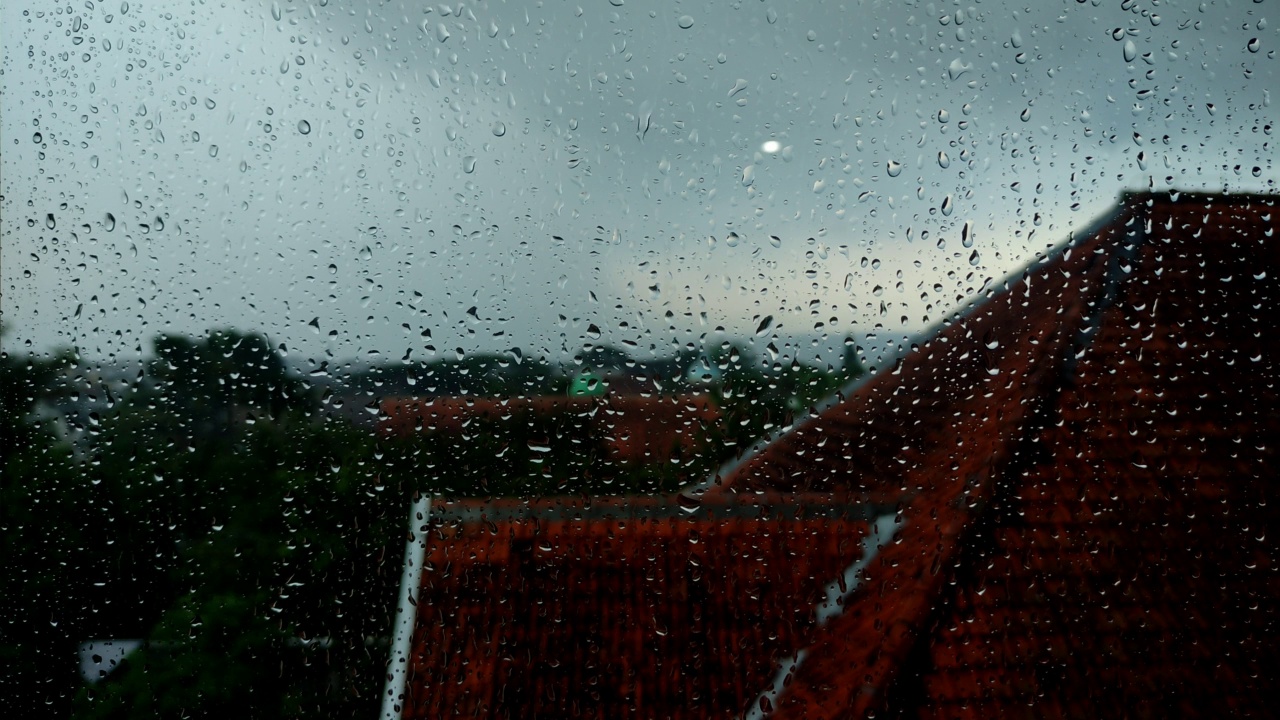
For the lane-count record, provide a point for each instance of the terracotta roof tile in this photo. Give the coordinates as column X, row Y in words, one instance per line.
column 1102, row 566
column 632, row 609
column 1083, row 465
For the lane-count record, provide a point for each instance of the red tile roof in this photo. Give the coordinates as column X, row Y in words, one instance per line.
column 1084, row 466
column 620, row 609
column 645, row 428
column 1089, row 457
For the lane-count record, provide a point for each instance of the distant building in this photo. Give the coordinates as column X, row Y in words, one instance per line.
column 1062, row 504
column 639, row 428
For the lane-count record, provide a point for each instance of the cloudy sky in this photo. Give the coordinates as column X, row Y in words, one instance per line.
column 382, row 180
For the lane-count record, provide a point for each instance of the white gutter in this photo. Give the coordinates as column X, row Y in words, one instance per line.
column 415, row 550
column 882, row 531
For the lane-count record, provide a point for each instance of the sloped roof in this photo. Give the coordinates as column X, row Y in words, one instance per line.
column 1089, row 462
column 1082, row 467
column 622, row 608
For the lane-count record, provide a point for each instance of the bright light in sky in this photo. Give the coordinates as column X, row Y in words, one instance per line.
column 771, row 146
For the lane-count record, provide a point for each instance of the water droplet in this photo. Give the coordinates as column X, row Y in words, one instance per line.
column 304, row 127
column 685, row 21
column 943, row 160
column 213, row 151
column 775, row 241
column 1254, row 45
column 966, row 234
column 944, row 116
column 469, row 164
column 275, row 11
column 957, row 68
column 1130, row 51
column 974, row 260
column 499, row 129
column 748, row 175
column 110, row 222
column 615, row 3
column 738, row 87
column 49, row 221
column 947, row 205
column 732, row 239
column 771, row 15
column 210, row 104
column 894, row 168
column 37, row 138
column 1026, row 115
column 442, row 32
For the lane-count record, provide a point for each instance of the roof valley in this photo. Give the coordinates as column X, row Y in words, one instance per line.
column 976, row 540
column 960, row 523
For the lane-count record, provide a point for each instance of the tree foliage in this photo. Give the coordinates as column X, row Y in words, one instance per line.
column 254, row 542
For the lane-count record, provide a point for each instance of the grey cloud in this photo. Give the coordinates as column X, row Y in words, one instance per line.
column 550, row 164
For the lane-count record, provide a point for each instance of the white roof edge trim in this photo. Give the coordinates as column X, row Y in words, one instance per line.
column 882, row 533
column 415, row 551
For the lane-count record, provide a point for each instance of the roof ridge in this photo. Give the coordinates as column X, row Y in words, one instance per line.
column 957, row 510
column 723, row 476
column 1040, row 417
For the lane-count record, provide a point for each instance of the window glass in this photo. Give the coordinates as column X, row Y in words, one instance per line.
column 642, row 324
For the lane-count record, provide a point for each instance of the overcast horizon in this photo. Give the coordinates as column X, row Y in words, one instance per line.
column 365, row 183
